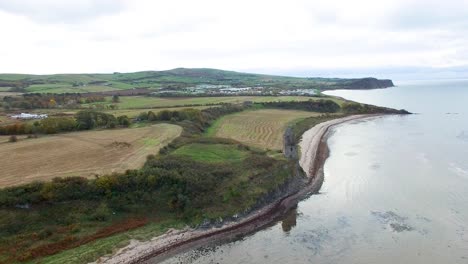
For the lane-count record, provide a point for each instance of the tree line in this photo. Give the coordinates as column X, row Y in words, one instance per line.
column 321, row 106
column 357, row 108
column 330, row 106
column 83, row 120
column 41, row 101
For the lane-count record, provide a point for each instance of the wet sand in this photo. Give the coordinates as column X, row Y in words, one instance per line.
column 314, row 152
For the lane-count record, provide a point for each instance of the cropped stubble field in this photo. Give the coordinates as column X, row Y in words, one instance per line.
column 81, row 153
column 260, row 128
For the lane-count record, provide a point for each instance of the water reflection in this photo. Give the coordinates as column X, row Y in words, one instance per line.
column 289, row 221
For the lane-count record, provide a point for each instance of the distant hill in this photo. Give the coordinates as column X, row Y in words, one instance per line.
column 175, row 78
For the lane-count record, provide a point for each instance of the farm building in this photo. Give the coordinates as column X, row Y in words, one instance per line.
column 29, row 116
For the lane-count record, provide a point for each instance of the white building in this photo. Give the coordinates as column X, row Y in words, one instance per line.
column 29, row 116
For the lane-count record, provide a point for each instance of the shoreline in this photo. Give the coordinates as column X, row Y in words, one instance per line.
column 314, row 152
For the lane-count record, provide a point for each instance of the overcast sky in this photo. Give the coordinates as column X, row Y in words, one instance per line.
column 70, row 36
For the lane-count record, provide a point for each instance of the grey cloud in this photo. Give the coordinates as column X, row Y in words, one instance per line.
column 430, row 15
column 61, row 11
column 176, row 27
column 395, row 73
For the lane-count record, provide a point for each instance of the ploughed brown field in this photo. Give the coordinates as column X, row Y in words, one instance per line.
column 81, row 153
column 260, row 128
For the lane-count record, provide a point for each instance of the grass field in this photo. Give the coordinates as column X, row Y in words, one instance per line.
column 132, row 102
column 212, row 152
column 260, row 128
column 81, row 153
column 63, row 88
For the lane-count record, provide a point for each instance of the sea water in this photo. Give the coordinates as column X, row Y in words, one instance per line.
column 395, row 190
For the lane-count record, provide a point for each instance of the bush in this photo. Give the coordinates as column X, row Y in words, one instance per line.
column 13, row 139
column 102, row 213
column 54, row 125
column 123, row 121
column 92, row 119
column 352, row 108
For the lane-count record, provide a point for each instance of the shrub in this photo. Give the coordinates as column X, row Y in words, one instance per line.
column 102, row 213
column 123, row 121
column 54, row 125
column 13, row 139
column 352, row 108
column 93, row 119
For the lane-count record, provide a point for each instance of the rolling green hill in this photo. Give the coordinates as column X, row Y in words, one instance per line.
column 174, row 79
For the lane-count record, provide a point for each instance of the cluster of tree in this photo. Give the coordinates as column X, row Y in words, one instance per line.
column 202, row 117
column 321, row 106
column 357, row 108
column 83, row 120
column 103, row 106
column 213, row 113
column 37, row 100
column 49, row 125
column 92, row 119
column 166, row 115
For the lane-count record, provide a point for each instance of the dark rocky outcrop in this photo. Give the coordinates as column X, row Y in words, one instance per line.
column 289, row 144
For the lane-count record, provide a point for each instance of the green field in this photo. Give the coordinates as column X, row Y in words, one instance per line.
column 212, row 152
column 48, row 88
column 134, row 102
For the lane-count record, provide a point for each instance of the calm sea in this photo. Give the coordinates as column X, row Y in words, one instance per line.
column 395, row 191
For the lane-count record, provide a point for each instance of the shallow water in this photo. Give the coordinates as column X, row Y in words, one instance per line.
column 395, row 190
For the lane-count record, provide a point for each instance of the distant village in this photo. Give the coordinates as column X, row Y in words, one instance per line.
column 220, row 90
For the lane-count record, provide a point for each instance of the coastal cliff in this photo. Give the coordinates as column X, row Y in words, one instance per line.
column 364, row 84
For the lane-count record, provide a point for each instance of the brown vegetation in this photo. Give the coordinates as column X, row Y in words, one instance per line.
column 72, row 242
